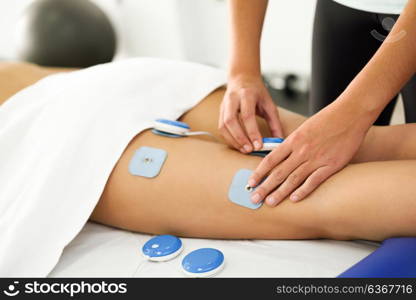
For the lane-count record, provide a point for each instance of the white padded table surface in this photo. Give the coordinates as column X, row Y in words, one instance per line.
column 101, row 251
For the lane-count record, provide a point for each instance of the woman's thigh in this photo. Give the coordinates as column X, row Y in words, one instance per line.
column 189, row 198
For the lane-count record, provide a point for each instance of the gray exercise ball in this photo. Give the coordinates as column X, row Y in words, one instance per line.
column 65, row 33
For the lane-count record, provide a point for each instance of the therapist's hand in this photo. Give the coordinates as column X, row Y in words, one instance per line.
column 245, row 98
column 321, row 146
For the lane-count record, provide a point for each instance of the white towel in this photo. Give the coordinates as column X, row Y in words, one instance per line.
column 60, row 139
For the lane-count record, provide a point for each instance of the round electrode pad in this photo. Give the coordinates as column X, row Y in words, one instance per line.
column 204, row 262
column 166, row 134
column 162, row 248
column 270, row 143
column 169, row 127
column 272, row 140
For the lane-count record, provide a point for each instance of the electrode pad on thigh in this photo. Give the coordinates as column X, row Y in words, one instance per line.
column 240, row 192
column 170, row 128
column 175, row 129
column 147, row 162
column 269, row 144
column 166, row 134
column 260, row 153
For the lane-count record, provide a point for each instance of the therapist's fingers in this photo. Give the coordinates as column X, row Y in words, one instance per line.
column 312, row 182
column 248, row 118
column 224, row 132
column 268, row 163
column 232, row 124
column 276, row 177
column 271, row 115
column 292, row 182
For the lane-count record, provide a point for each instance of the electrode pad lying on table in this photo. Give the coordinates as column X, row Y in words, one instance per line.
column 204, row 262
column 147, row 162
column 239, row 191
column 162, row 248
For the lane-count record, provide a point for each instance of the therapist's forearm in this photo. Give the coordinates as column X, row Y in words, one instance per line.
column 386, row 73
column 247, row 18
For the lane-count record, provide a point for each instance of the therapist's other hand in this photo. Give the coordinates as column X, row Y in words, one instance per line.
column 245, row 98
column 321, row 146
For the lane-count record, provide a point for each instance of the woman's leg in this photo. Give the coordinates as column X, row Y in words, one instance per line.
column 189, row 197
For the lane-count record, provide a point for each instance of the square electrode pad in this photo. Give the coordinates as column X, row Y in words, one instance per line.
column 147, row 162
column 239, row 192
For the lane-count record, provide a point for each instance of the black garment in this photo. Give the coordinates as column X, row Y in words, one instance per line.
column 343, row 43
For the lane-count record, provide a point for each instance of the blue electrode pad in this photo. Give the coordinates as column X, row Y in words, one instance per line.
column 170, row 128
column 147, row 162
column 175, row 129
column 259, row 153
column 162, row 248
column 176, row 124
column 240, row 192
column 166, row 134
column 204, row 262
column 272, row 141
column 268, row 145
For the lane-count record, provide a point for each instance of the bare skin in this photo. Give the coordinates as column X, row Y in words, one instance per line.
column 371, row 199
column 15, row 76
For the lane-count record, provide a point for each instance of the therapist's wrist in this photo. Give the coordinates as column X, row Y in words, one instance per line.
column 365, row 98
column 247, row 70
column 245, row 77
column 359, row 113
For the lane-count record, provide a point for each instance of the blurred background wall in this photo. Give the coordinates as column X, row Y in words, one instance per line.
column 197, row 30
column 193, row 30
